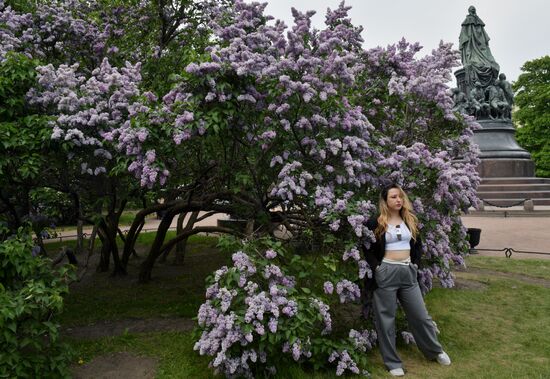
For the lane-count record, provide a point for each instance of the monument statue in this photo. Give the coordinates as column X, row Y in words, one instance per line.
column 499, row 107
column 478, row 105
column 477, row 59
column 507, row 88
column 488, row 96
column 460, row 101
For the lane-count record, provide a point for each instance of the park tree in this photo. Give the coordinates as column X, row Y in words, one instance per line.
column 533, row 113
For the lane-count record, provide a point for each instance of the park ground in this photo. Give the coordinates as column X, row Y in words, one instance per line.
column 494, row 323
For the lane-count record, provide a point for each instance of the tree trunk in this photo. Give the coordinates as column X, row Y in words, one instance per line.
column 112, row 227
column 154, row 252
column 105, row 254
column 108, row 229
column 172, row 210
column 79, row 224
column 179, row 229
column 136, row 227
column 179, row 255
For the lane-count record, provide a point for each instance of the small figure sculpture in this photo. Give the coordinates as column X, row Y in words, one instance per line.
column 460, row 101
column 478, row 61
column 480, row 107
column 507, row 88
column 499, row 107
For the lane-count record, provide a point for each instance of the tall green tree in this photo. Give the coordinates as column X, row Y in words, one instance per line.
column 533, row 115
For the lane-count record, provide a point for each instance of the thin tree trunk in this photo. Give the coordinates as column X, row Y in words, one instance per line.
column 105, row 254
column 181, row 246
column 135, row 229
column 179, row 229
column 154, row 252
column 91, row 247
column 79, row 224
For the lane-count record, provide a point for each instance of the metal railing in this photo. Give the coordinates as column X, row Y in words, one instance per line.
column 508, row 251
column 521, row 202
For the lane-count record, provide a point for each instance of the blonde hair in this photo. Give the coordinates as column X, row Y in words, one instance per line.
column 405, row 212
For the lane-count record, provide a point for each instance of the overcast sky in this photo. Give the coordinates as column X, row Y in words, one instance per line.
column 519, row 30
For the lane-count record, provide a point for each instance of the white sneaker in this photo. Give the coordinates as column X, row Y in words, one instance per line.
column 443, row 359
column 397, row 372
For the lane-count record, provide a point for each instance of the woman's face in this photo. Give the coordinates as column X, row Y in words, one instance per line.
column 394, row 200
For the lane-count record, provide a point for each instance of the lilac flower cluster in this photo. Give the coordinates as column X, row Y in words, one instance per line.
column 325, row 314
column 345, row 362
column 347, row 291
column 352, row 253
column 408, row 338
column 328, row 288
column 363, row 341
column 58, row 29
column 297, row 349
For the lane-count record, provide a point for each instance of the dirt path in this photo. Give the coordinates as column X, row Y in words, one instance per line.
column 120, row 365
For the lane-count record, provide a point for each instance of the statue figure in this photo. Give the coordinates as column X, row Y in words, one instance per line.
column 479, row 106
column 477, row 59
column 507, row 88
column 460, row 101
column 499, row 107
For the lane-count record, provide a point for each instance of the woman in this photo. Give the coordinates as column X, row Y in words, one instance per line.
column 394, row 259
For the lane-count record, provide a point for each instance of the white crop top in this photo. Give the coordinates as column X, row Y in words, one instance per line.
column 398, row 237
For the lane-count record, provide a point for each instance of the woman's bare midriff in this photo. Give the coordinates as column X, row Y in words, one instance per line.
column 397, row 255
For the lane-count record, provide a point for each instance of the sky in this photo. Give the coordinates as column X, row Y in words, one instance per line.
column 519, row 30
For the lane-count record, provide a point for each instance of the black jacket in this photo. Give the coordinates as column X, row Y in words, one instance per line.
column 375, row 253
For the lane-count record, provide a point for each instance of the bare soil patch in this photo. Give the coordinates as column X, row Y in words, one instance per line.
column 467, row 284
column 117, row 366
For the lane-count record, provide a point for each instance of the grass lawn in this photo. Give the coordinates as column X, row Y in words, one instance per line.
column 537, row 268
column 497, row 328
column 176, row 291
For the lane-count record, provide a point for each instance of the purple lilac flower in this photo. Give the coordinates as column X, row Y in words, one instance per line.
column 270, row 254
column 347, row 291
column 328, row 287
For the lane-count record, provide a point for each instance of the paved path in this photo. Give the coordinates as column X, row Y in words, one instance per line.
column 519, row 233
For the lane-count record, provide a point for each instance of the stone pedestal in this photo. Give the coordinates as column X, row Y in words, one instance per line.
column 506, row 168
column 501, row 156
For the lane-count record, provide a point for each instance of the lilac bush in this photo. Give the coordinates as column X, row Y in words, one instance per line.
column 257, row 315
column 337, row 122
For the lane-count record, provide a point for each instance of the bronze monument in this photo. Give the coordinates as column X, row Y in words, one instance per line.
column 485, row 94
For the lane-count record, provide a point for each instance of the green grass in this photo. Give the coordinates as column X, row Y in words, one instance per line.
column 498, row 330
column 174, row 291
column 174, row 351
column 538, row 268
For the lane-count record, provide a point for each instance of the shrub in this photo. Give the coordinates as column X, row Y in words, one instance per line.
column 263, row 305
column 31, row 296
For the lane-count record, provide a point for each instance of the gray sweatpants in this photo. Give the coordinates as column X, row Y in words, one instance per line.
column 396, row 281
